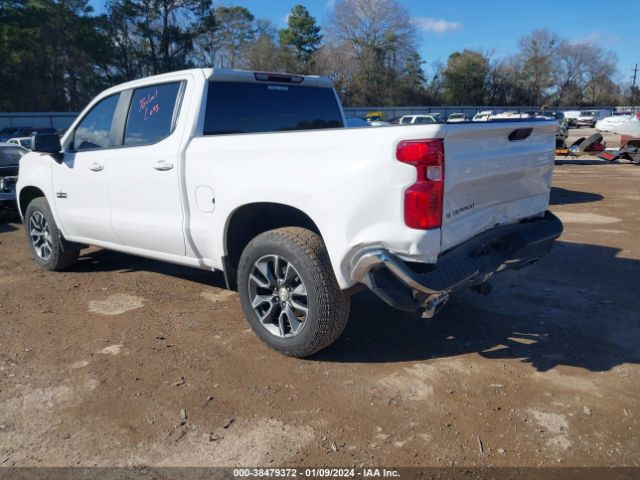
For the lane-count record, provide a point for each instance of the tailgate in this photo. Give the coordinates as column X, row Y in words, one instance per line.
column 494, row 177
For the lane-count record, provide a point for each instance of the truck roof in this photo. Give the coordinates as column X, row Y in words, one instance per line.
column 230, row 75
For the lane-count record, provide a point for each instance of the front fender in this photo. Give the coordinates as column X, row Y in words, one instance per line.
column 36, row 171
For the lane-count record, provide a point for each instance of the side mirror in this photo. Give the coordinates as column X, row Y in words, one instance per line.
column 47, row 143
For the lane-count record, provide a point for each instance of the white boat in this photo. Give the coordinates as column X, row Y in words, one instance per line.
column 608, row 123
column 630, row 127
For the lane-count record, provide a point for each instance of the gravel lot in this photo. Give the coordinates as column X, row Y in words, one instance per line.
column 126, row 361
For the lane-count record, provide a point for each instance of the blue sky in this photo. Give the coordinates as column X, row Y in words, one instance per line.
column 495, row 25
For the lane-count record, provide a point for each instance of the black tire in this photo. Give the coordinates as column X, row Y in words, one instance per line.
column 327, row 306
column 586, row 144
column 578, row 141
column 62, row 254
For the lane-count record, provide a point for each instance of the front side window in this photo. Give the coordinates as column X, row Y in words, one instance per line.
column 93, row 131
column 151, row 114
column 242, row 107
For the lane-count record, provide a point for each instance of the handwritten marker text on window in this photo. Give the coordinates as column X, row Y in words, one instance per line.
column 148, row 105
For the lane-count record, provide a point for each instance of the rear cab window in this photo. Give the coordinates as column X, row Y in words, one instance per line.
column 244, row 107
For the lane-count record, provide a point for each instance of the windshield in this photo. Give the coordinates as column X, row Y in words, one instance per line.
column 10, row 156
column 587, row 114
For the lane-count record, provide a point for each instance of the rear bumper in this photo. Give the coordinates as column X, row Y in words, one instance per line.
column 409, row 286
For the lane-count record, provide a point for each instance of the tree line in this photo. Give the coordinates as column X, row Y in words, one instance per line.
column 55, row 55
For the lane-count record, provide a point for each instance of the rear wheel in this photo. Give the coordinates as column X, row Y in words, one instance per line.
column 48, row 248
column 289, row 293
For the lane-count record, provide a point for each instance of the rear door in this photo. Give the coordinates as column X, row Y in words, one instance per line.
column 495, row 173
column 144, row 175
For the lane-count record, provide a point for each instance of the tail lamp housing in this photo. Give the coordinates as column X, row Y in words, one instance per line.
column 423, row 200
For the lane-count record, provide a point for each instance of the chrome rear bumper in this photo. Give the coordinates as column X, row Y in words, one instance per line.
column 408, row 286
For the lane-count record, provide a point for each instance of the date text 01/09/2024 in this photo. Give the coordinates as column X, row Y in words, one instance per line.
column 315, row 472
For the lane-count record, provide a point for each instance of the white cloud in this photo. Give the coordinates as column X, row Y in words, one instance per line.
column 437, row 25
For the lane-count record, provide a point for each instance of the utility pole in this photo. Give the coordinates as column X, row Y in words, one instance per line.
column 633, row 86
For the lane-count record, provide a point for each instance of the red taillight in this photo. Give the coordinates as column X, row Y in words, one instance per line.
column 423, row 199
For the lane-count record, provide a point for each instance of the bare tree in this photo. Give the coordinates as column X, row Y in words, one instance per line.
column 380, row 35
column 264, row 54
column 224, row 43
column 537, row 57
column 570, row 73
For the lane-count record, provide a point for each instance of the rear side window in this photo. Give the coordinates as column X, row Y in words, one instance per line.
column 93, row 131
column 238, row 107
column 151, row 114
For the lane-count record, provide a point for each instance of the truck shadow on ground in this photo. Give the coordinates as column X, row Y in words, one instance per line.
column 111, row 261
column 562, row 196
column 550, row 314
column 9, row 221
column 6, row 227
column 589, row 161
column 576, row 307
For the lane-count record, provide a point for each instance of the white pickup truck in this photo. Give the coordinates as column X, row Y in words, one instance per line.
column 255, row 174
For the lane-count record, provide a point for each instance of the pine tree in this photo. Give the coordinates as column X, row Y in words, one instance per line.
column 300, row 39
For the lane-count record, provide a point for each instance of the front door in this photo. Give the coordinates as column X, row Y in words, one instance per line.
column 80, row 181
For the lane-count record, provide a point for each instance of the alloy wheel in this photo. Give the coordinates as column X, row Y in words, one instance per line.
column 278, row 296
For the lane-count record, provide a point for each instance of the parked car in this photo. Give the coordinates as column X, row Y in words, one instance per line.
column 458, row 118
column 563, row 127
column 12, row 132
column 510, row 115
column 41, row 130
column 22, row 141
column 417, row 119
column 10, row 156
column 572, row 117
column 354, row 122
column 482, row 116
column 589, row 118
column 16, row 132
column 254, row 174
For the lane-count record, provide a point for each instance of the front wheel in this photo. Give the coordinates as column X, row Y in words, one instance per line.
column 48, row 247
column 289, row 293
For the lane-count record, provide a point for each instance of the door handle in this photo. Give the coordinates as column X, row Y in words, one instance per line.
column 163, row 165
column 96, row 167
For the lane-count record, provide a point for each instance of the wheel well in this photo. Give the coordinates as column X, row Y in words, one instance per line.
column 251, row 220
column 27, row 194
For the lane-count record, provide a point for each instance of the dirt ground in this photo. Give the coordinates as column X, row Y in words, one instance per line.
column 126, row 361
